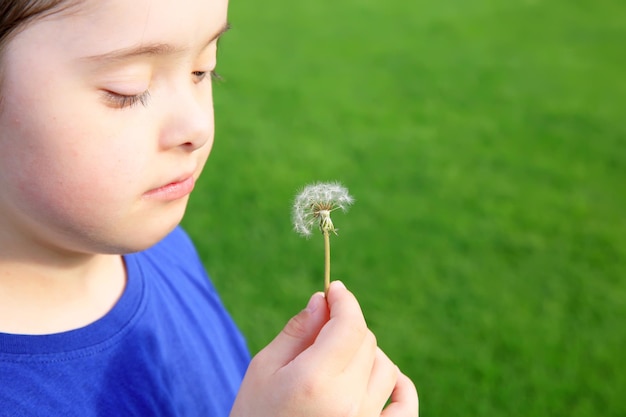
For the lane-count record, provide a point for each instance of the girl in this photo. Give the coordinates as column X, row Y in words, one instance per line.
column 106, row 121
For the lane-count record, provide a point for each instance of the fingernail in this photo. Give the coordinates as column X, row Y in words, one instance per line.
column 314, row 302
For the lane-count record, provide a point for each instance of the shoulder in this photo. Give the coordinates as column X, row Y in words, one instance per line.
column 175, row 260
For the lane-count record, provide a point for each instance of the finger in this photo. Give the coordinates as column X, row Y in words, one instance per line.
column 344, row 333
column 299, row 333
column 404, row 399
column 381, row 381
column 362, row 364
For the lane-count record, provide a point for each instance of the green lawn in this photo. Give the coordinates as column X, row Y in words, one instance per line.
column 484, row 142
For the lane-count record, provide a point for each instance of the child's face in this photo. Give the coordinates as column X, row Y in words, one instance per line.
column 100, row 142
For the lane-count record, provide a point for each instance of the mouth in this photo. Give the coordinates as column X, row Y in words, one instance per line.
column 172, row 191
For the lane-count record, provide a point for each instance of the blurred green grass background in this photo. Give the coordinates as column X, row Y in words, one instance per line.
column 484, row 143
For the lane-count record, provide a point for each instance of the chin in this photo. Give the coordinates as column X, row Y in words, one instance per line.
column 149, row 237
column 141, row 244
column 141, row 235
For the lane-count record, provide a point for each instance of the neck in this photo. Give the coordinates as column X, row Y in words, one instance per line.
column 44, row 293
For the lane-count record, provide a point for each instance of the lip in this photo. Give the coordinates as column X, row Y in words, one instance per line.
column 172, row 191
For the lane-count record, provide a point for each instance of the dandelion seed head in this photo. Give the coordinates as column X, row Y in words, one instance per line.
column 315, row 202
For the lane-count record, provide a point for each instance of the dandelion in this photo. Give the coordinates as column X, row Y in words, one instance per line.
column 312, row 206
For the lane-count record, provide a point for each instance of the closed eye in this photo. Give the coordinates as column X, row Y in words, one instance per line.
column 215, row 76
column 201, row 75
column 122, row 101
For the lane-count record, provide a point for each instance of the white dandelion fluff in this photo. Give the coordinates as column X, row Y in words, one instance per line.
column 315, row 203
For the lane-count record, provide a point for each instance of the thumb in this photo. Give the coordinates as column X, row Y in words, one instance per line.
column 299, row 333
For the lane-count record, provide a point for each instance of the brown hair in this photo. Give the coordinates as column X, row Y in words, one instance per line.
column 15, row 13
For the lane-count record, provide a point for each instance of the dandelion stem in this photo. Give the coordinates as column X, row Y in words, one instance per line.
column 313, row 206
column 326, row 261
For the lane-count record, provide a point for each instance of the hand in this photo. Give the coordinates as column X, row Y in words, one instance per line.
column 325, row 363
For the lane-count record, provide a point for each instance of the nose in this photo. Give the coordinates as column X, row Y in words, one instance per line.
column 187, row 121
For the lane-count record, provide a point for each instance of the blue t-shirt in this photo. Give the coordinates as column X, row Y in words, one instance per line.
column 167, row 348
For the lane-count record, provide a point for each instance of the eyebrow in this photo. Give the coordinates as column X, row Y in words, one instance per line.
column 152, row 49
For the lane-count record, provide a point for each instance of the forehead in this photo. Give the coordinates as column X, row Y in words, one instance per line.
column 96, row 26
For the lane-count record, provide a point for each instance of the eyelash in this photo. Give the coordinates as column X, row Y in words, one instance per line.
column 122, row 101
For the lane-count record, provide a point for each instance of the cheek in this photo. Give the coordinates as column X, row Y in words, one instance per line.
column 69, row 167
column 64, row 189
column 61, row 141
